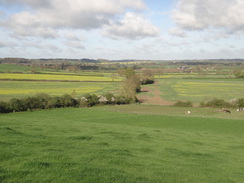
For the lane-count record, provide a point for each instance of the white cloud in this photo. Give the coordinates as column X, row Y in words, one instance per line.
column 33, row 3
column 177, row 32
column 132, row 26
column 200, row 15
column 67, row 14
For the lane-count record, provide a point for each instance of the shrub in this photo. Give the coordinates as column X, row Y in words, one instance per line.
column 68, row 101
column 240, row 102
column 17, row 105
column 216, row 103
column 110, row 97
column 89, row 100
column 183, row 104
column 54, row 102
column 33, row 103
column 4, row 107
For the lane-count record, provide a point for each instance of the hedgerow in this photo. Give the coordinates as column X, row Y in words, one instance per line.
column 44, row 101
column 221, row 103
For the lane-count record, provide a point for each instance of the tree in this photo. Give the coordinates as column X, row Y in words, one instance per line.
column 129, row 72
column 147, row 77
column 130, row 87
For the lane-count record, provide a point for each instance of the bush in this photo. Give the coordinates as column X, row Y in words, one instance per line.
column 89, row 100
column 4, row 107
column 240, row 102
column 216, row 103
column 17, row 105
column 33, row 103
column 54, row 102
column 68, row 101
column 183, row 104
column 110, row 97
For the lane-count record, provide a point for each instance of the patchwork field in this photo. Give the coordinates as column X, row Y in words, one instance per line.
column 19, row 85
column 149, row 142
column 194, row 90
column 106, row 144
column 19, row 89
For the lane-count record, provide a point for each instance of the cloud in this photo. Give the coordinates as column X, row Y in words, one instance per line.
column 32, row 3
column 177, row 32
column 200, row 15
column 7, row 44
column 74, row 14
column 132, row 26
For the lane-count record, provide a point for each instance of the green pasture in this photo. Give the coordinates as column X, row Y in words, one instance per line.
column 193, row 76
column 13, row 68
column 197, row 90
column 107, row 144
column 20, row 89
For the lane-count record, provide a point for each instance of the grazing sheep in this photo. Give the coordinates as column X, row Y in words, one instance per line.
column 240, row 109
column 226, row 110
column 188, row 112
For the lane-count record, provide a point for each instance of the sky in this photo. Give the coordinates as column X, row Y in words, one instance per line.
column 122, row 29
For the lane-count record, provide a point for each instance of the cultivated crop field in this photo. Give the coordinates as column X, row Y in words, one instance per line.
column 20, row 89
column 19, row 85
column 107, row 144
column 55, row 77
column 197, row 90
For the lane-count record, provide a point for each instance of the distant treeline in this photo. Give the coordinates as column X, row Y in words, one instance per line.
column 87, row 60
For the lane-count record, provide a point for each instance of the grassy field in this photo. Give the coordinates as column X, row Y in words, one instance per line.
column 101, row 144
column 20, row 89
column 13, row 68
column 197, row 90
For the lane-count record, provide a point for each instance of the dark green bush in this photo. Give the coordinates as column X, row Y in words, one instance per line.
column 4, row 107
column 240, row 102
column 68, row 101
column 216, row 103
column 54, row 102
column 183, row 104
column 17, row 105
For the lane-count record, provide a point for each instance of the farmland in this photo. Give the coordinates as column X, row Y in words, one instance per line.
column 54, row 77
column 20, row 89
column 197, row 90
column 151, row 141
column 19, row 85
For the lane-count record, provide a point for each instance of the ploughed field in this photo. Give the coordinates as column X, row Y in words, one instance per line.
column 121, row 144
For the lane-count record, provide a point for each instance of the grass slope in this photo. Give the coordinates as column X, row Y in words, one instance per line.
column 98, row 145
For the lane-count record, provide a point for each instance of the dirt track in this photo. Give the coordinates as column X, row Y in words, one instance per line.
column 156, row 99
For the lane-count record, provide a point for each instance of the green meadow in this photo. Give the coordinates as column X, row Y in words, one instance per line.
column 116, row 144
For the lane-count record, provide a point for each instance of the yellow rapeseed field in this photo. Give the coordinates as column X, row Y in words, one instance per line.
column 43, row 77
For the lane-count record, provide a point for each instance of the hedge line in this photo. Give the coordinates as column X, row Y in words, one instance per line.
column 44, row 101
column 221, row 103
